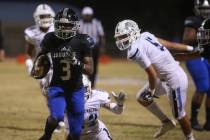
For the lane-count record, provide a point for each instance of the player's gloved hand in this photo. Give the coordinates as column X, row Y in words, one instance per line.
column 29, row 65
column 205, row 51
column 120, row 97
column 75, row 62
column 148, row 95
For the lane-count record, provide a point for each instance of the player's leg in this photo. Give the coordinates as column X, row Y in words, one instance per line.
column 57, row 105
column 199, row 72
column 178, row 100
column 207, row 103
column 151, row 106
column 104, row 133
column 75, row 113
column 95, row 66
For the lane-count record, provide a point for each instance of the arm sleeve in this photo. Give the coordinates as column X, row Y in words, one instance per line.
column 144, row 61
column 139, row 57
column 28, row 37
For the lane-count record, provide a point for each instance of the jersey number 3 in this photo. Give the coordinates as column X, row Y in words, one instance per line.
column 156, row 44
column 66, row 70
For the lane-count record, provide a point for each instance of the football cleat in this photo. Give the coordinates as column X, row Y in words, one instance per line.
column 59, row 128
column 167, row 126
column 196, row 126
column 206, row 126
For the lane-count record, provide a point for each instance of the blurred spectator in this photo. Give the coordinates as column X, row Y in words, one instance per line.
column 1, row 45
column 93, row 27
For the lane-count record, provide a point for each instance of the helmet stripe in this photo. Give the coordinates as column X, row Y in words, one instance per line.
column 65, row 12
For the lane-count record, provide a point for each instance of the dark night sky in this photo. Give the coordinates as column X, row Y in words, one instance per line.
column 163, row 17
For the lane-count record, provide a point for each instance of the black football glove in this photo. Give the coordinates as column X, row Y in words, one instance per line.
column 74, row 61
column 148, row 96
column 205, row 51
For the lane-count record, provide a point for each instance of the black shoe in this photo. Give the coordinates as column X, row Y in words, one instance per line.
column 196, row 126
column 206, row 126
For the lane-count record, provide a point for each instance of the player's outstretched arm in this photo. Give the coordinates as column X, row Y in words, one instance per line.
column 152, row 77
column 201, row 51
column 117, row 107
column 175, row 46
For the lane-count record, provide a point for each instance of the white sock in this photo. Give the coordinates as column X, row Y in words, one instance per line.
column 154, row 109
column 190, row 136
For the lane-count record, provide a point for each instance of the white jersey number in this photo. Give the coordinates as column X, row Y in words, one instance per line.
column 66, row 70
column 156, row 44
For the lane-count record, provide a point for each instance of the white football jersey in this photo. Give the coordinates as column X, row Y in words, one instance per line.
column 146, row 50
column 92, row 107
column 34, row 35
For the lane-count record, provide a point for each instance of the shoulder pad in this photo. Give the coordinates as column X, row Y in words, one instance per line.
column 86, row 40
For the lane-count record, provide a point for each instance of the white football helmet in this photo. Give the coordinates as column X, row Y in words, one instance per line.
column 202, row 8
column 44, row 15
column 126, row 32
column 87, row 86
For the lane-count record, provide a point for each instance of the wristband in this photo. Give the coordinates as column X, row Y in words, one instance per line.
column 152, row 91
column 189, row 48
column 29, row 62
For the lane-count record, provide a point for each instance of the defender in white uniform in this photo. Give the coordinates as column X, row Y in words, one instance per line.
column 94, row 129
column 43, row 17
column 165, row 76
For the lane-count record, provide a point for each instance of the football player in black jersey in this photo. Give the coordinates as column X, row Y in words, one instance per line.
column 68, row 55
column 199, row 68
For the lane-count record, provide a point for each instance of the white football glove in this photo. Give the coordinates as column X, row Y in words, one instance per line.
column 29, row 65
column 120, row 97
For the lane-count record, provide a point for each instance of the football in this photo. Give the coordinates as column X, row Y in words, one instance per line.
column 41, row 67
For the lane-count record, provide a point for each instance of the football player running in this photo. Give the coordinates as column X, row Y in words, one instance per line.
column 95, row 129
column 195, row 66
column 165, row 76
column 68, row 54
column 43, row 17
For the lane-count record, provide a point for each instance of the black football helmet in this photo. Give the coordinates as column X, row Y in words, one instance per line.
column 66, row 23
column 202, row 8
column 203, row 35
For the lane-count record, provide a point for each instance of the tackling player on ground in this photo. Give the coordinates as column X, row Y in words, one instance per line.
column 195, row 66
column 68, row 54
column 95, row 129
column 165, row 76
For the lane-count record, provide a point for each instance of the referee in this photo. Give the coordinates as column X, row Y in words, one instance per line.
column 93, row 27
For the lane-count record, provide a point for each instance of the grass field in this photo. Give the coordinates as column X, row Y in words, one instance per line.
column 23, row 110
